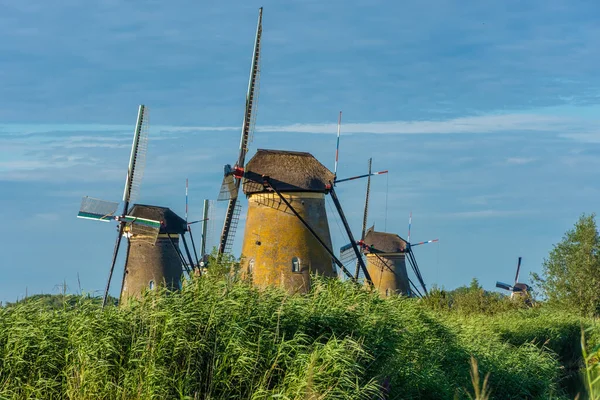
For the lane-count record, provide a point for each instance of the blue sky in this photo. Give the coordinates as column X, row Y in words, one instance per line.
column 485, row 114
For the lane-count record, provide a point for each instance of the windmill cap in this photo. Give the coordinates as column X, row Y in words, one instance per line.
column 289, row 171
column 385, row 242
column 172, row 223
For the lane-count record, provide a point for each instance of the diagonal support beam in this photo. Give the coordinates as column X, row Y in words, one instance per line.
column 338, row 206
column 267, row 183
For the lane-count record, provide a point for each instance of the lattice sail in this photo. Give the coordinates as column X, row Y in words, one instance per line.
column 233, row 227
column 228, row 189
column 96, row 209
column 210, row 227
column 137, row 160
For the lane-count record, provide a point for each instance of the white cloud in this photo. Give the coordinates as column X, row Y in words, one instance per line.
column 491, row 213
column 520, row 160
column 473, row 124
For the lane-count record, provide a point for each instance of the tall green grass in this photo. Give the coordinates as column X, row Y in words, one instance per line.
column 220, row 339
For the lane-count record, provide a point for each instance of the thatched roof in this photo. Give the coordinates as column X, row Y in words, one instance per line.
column 173, row 223
column 289, row 171
column 384, row 242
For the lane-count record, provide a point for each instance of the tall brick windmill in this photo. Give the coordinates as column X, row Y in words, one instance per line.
column 153, row 255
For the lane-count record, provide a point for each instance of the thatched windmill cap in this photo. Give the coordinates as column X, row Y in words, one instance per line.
column 384, row 242
column 172, row 223
column 289, row 171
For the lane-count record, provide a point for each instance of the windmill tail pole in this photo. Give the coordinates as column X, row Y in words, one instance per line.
column 193, row 246
column 178, row 251
column 267, row 183
column 361, row 262
column 417, row 271
column 112, row 265
column 125, row 269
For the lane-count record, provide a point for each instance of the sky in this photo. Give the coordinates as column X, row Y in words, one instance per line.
column 486, row 115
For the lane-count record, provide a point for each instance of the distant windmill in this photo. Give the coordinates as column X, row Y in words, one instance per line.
column 233, row 175
column 386, row 255
column 153, row 255
column 517, row 289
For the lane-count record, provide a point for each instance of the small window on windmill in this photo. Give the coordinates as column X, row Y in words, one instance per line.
column 151, row 285
column 251, row 266
column 387, row 292
column 295, row 264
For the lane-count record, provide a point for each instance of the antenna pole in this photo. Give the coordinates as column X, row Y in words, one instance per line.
column 337, row 147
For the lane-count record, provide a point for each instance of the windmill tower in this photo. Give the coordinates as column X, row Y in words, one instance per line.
column 517, row 290
column 153, row 256
column 386, row 257
column 277, row 247
column 386, row 262
column 151, row 264
column 387, row 254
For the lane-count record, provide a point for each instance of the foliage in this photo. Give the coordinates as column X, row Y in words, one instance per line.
column 471, row 299
column 225, row 339
column 571, row 273
column 591, row 359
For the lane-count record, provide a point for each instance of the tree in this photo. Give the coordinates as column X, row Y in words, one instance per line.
column 571, row 273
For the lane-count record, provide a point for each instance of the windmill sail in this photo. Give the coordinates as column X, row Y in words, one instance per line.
column 518, row 270
column 96, row 209
column 137, row 159
column 231, row 216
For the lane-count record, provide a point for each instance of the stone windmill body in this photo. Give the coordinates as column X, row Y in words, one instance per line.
column 153, row 256
column 278, row 248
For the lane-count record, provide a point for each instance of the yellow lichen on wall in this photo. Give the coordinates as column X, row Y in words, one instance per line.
column 278, row 249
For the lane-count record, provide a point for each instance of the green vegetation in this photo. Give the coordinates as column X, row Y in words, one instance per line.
column 228, row 340
column 225, row 339
column 572, row 270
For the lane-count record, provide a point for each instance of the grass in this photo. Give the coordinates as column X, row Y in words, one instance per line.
column 220, row 339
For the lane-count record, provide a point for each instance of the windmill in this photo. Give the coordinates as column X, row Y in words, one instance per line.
column 233, row 175
column 287, row 235
column 152, row 232
column 517, row 289
column 386, row 255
